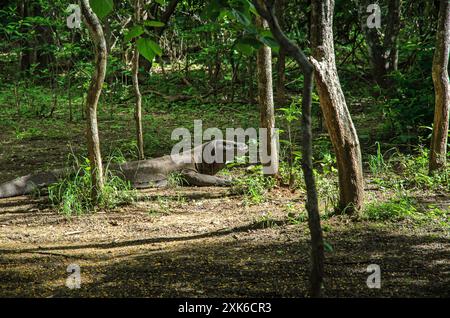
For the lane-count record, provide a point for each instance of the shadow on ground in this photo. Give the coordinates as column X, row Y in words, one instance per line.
column 222, row 264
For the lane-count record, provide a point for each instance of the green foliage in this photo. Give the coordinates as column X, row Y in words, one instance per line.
column 254, row 187
column 414, row 171
column 328, row 191
column 135, row 31
column 164, row 205
column 376, row 162
column 72, row 195
column 175, row 179
column 410, row 104
column 209, row 58
column 28, row 133
column 394, row 209
column 327, row 247
column 294, row 214
column 293, row 174
column 102, row 7
column 148, row 48
column 404, row 207
column 323, row 155
column 154, row 23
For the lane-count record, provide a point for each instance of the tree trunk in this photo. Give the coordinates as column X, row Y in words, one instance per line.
column 392, row 32
column 383, row 50
column 93, row 95
column 250, row 69
column 267, row 113
column 334, row 108
column 26, row 57
column 281, row 62
column 137, row 93
column 312, row 206
column 439, row 139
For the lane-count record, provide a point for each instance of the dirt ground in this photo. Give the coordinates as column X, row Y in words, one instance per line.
column 205, row 242
column 199, row 242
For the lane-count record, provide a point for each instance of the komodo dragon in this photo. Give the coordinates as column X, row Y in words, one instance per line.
column 146, row 173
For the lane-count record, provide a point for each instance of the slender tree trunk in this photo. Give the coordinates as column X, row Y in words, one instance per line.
column 251, row 92
column 439, row 139
column 25, row 56
column 108, row 35
column 317, row 251
column 383, row 50
column 392, row 33
column 337, row 117
column 281, row 62
column 93, row 95
column 267, row 112
column 312, row 202
column 137, row 93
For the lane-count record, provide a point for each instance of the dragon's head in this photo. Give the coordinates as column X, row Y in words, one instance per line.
column 218, row 152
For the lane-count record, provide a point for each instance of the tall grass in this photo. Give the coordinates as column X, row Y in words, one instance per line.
column 72, row 194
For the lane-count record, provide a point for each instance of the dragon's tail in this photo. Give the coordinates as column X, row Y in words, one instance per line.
column 29, row 183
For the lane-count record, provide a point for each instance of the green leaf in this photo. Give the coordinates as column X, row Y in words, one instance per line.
column 244, row 48
column 213, row 9
column 133, row 32
column 102, row 7
column 327, row 246
column 241, row 17
column 161, row 2
column 145, row 49
column 148, row 48
column 155, row 47
column 154, row 23
column 251, row 41
column 223, row 14
column 247, row 45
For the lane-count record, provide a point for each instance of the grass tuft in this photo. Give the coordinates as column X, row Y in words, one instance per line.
column 72, row 195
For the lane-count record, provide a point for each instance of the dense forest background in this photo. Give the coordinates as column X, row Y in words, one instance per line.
column 169, row 63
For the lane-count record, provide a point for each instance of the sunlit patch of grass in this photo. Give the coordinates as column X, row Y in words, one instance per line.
column 403, row 207
column 394, row 209
column 254, row 187
column 32, row 132
column 376, row 162
column 411, row 172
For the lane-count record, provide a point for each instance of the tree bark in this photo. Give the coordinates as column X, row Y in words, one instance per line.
column 334, row 108
column 439, row 139
column 137, row 93
column 383, row 50
column 93, row 95
column 317, row 250
column 266, row 105
column 281, row 62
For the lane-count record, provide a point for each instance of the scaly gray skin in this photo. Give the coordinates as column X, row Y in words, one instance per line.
column 145, row 173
